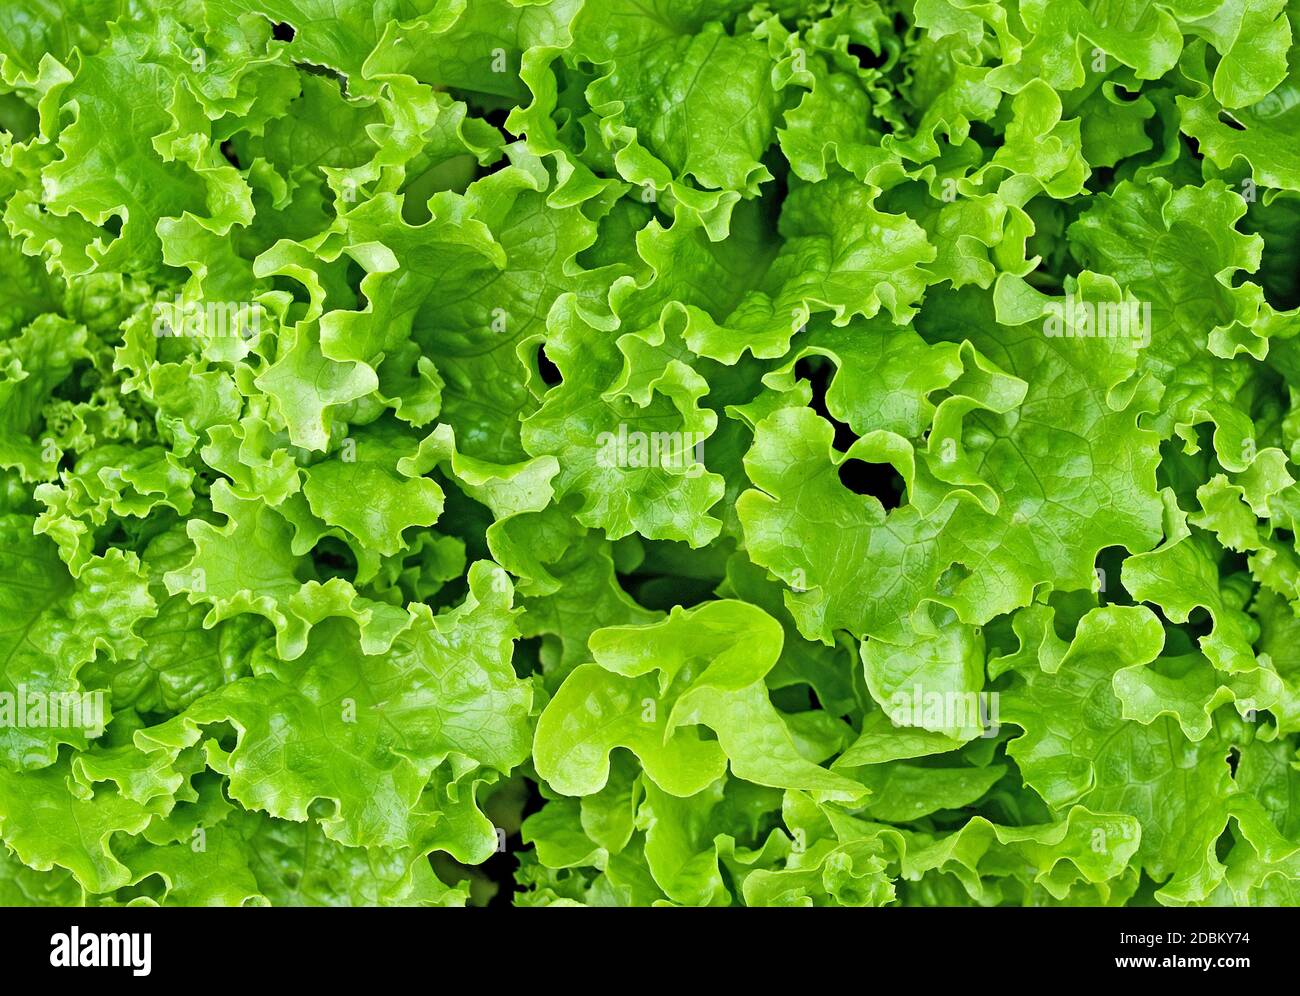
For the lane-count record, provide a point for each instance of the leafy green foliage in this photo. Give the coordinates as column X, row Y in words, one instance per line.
column 800, row 453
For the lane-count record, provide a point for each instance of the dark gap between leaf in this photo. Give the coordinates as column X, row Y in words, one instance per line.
column 879, row 480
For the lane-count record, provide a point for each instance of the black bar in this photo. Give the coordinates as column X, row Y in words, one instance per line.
column 299, row 947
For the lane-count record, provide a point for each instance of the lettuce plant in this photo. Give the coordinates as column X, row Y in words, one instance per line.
column 685, row 452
